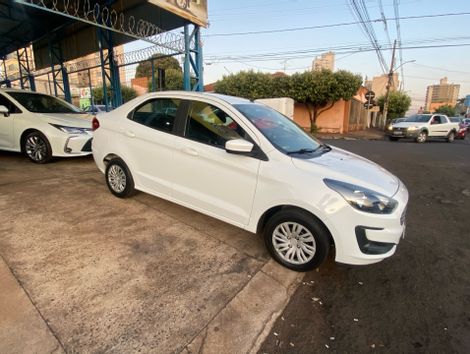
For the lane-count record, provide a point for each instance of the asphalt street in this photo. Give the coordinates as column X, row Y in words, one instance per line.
column 418, row 300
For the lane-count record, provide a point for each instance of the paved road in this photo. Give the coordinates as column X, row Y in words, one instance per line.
column 417, row 301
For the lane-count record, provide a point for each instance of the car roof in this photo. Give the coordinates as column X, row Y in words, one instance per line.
column 195, row 95
column 8, row 90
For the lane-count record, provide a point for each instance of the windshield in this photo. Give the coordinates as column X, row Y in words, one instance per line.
column 39, row 103
column 420, row 118
column 282, row 132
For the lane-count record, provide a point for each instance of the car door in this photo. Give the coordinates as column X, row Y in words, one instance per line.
column 207, row 178
column 435, row 125
column 7, row 139
column 149, row 139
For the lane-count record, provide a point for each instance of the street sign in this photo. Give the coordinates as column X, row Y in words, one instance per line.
column 369, row 95
column 368, row 105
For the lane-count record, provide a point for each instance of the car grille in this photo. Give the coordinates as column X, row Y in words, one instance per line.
column 87, row 146
column 399, row 129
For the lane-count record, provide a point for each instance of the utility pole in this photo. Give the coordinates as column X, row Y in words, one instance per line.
column 389, row 84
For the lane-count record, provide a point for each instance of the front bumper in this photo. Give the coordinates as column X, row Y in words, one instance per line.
column 363, row 238
column 403, row 133
column 71, row 145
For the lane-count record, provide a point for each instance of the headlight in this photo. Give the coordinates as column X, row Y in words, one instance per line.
column 412, row 128
column 390, row 127
column 71, row 130
column 363, row 199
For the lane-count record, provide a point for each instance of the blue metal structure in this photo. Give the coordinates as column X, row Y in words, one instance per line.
column 52, row 27
column 4, row 81
column 60, row 77
column 193, row 59
column 109, row 70
column 26, row 75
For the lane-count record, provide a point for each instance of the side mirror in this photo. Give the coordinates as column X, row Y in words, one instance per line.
column 4, row 111
column 238, row 146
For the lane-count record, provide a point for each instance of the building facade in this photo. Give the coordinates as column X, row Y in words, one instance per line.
column 378, row 84
column 326, row 61
column 441, row 95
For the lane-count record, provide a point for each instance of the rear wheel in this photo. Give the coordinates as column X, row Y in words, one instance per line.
column 422, row 137
column 119, row 179
column 37, row 147
column 296, row 239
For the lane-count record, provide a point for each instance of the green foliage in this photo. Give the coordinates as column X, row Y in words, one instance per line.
column 318, row 90
column 448, row 110
column 128, row 93
column 173, row 80
column 144, row 69
column 247, row 84
column 398, row 104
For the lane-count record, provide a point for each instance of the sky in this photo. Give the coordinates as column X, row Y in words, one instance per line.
column 226, row 53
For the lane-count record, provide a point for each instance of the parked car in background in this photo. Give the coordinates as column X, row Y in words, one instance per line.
column 96, row 109
column 462, row 131
column 246, row 164
column 42, row 126
column 466, row 122
column 422, row 126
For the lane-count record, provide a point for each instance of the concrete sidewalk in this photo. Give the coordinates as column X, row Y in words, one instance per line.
column 88, row 272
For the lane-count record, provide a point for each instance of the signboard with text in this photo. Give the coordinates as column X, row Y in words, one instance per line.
column 192, row 10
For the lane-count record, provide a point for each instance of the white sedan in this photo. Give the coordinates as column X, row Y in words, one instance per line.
column 246, row 164
column 42, row 126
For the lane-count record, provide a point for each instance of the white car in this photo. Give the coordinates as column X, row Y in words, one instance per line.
column 42, row 126
column 248, row 165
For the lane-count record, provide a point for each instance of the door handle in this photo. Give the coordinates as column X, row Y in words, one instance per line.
column 190, row 151
column 130, row 134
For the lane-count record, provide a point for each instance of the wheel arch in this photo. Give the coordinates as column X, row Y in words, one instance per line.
column 110, row 157
column 273, row 210
column 24, row 134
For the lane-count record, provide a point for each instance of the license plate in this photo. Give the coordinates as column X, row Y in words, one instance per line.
column 397, row 133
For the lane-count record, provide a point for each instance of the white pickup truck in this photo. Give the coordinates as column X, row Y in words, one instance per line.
column 422, row 126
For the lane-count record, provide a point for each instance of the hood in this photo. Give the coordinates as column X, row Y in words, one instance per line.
column 347, row 167
column 77, row 120
column 408, row 124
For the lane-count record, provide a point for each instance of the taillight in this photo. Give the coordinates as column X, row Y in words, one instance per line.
column 95, row 124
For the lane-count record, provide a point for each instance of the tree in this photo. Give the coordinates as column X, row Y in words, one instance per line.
column 398, row 104
column 128, row 93
column 144, row 69
column 173, row 80
column 319, row 90
column 447, row 109
column 247, row 84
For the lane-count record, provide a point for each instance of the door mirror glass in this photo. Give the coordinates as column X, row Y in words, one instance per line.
column 4, row 111
column 238, row 146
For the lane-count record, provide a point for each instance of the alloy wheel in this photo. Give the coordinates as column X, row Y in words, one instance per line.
column 294, row 243
column 117, row 178
column 36, row 148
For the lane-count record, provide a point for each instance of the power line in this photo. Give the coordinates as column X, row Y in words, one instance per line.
column 400, row 52
column 382, row 13
column 341, row 24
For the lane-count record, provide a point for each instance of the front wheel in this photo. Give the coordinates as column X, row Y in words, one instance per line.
column 422, row 136
column 119, row 179
column 37, row 147
column 450, row 137
column 296, row 239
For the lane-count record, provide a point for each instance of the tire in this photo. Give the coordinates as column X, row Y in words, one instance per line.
column 37, row 147
column 422, row 137
column 450, row 137
column 393, row 138
column 119, row 179
column 286, row 229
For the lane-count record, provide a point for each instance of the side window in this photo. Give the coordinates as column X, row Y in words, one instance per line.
column 157, row 113
column 210, row 125
column 440, row 120
column 7, row 103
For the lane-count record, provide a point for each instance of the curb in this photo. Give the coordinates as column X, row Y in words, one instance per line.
column 245, row 322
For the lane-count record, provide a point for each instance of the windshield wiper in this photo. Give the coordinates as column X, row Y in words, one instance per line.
column 300, row 151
